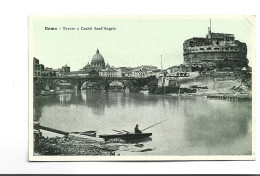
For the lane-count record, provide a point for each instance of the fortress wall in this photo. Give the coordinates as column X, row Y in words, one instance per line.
column 200, row 57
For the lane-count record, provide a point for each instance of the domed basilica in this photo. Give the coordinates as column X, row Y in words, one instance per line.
column 97, row 63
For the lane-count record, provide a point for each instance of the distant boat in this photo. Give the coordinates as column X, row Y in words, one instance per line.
column 47, row 92
column 86, row 133
column 125, row 136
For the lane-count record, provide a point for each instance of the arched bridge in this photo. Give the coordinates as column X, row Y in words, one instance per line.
column 131, row 83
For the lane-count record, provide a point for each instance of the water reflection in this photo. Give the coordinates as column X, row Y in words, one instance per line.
column 213, row 123
column 65, row 98
column 138, row 141
column 195, row 126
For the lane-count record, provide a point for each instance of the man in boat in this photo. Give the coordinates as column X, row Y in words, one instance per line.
column 137, row 131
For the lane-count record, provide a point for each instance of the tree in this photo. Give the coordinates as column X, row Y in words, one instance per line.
column 152, row 86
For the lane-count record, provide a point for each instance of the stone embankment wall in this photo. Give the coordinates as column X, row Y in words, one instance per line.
column 226, row 84
column 220, row 84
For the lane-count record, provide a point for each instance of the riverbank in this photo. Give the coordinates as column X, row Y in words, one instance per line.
column 71, row 146
column 230, row 96
column 219, row 94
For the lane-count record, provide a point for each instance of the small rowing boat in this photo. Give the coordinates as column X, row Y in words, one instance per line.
column 87, row 133
column 126, row 136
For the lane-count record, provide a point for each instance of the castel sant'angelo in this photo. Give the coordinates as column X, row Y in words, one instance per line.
column 215, row 48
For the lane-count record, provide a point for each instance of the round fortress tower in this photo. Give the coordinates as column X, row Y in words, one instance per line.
column 215, row 48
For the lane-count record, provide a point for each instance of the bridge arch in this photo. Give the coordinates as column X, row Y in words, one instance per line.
column 65, row 83
column 123, row 83
column 89, row 83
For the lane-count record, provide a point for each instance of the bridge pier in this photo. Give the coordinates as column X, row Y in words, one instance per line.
column 76, row 87
column 107, row 86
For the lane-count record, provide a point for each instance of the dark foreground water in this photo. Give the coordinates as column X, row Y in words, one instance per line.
column 195, row 125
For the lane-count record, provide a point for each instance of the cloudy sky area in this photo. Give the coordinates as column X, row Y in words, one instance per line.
column 135, row 42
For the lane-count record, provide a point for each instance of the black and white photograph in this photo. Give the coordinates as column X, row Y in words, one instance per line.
column 141, row 88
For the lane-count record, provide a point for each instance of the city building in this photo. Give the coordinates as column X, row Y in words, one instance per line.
column 105, row 70
column 179, row 71
column 123, row 71
column 37, row 67
column 109, row 72
column 50, row 72
column 179, row 68
column 216, row 49
column 146, row 68
column 143, row 71
column 138, row 73
column 65, row 69
column 157, row 73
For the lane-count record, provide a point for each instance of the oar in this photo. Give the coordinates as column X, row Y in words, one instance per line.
column 123, row 131
column 118, row 131
column 126, row 131
column 154, row 125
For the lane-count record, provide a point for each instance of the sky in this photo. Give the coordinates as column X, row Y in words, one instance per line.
column 136, row 40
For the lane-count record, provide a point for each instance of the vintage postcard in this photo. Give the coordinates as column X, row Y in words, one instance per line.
column 131, row 88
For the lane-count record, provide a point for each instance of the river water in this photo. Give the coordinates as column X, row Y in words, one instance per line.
column 195, row 125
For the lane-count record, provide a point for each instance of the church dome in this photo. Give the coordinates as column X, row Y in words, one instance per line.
column 98, row 60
